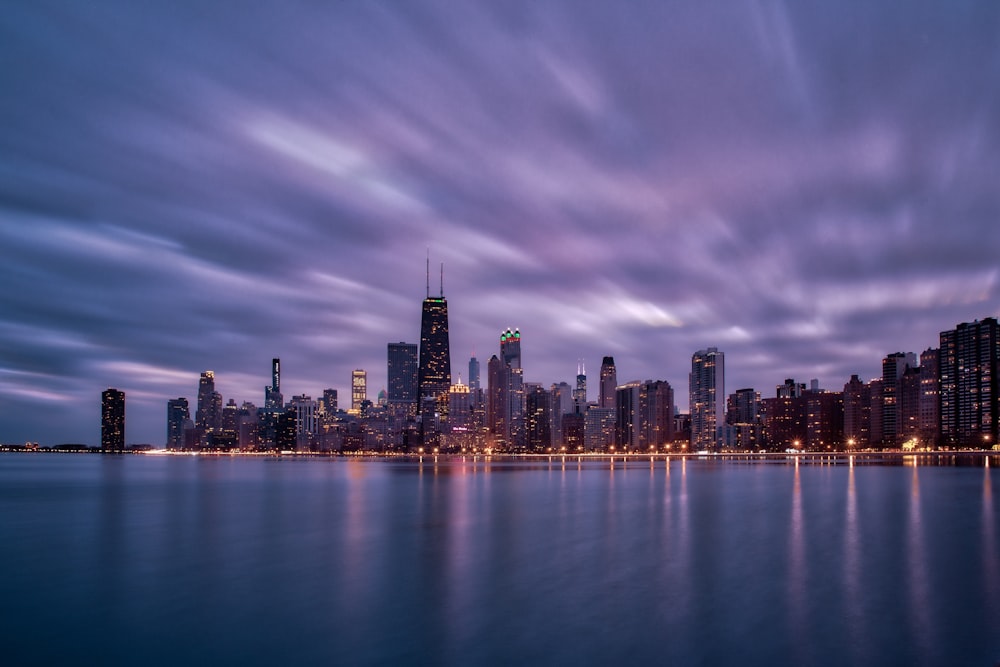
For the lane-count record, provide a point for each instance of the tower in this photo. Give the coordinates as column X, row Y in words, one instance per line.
column 272, row 395
column 580, row 393
column 609, row 381
column 511, row 376
column 359, row 389
column 402, row 374
column 113, row 420
column 178, row 414
column 434, row 368
column 706, row 386
column 969, row 361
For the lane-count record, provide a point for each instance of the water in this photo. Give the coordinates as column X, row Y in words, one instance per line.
column 167, row 560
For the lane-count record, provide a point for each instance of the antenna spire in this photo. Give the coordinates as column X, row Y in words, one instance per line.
column 442, row 280
column 428, row 273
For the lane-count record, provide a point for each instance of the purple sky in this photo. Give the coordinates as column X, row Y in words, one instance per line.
column 188, row 186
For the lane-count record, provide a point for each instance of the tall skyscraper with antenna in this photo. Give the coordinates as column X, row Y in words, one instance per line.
column 434, row 368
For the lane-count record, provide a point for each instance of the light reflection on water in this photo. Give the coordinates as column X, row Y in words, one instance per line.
column 165, row 560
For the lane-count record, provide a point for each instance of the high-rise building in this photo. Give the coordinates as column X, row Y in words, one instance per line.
column 402, row 375
column 359, row 389
column 113, row 420
column 562, row 404
column 506, row 406
column 929, row 401
column 328, row 404
column 272, row 395
column 743, row 420
column 645, row 415
column 498, row 379
column 306, row 428
column 538, row 418
column 707, row 388
column 178, row 416
column 209, row 414
column 434, row 368
column 599, row 429
column 580, row 393
column 893, row 368
column 473, row 376
column 970, row 396
column 857, row 414
column 609, row 382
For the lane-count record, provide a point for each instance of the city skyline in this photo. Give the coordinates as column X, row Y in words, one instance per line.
column 807, row 188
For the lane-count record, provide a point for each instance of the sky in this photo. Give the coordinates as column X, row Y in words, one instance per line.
column 187, row 186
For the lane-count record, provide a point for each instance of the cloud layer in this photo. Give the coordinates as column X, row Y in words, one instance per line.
column 186, row 187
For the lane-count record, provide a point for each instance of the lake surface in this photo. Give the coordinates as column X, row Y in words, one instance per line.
column 169, row 560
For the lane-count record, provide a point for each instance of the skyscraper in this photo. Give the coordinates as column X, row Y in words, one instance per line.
column 970, row 396
column 513, row 377
column 272, row 395
column 359, row 389
column 113, row 420
column 209, row 414
column 434, row 369
column 707, row 390
column 178, row 414
column 893, row 368
column 609, row 382
column 580, row 393
column 402, row 374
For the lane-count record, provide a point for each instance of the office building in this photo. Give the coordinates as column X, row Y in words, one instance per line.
column 609, row 383
column 359, row 390
column 969, row 360
column 113, row 420
column 434, row 366
column 706, row 389
column 178, row 418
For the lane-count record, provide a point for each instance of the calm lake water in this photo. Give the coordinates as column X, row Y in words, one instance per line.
column 170, row 560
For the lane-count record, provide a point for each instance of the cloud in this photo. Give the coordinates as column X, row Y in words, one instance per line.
column 806, row 186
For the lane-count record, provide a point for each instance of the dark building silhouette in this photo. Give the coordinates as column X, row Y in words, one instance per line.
column 857, row 414
column 402, row 375
column 970, row 405
column 113, row 420
column 178, row 417
column 538, row 418
column 273, row 399
column 434, row 368
column 609, row 383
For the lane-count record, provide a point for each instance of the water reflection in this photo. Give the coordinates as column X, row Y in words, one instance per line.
column 797, row 588
column 853, row 594
column 918, row 582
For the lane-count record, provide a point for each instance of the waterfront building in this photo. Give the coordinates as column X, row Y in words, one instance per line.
column 178, row 418
column 893, row 368
column 402, row 375
column 562, row 404
column 306, row 425
column 857, row 414
column 272, row 395
column 644, row 415
column 506, row 404
column 208, row 417
column 706, row 385
column 824, row 420
column 929, row 401
column 434, row 366
column 599, row 428
column 359, row 390
column 744, row 427
column 609, row 383
column 970, row 396
column 538, row 417
column 580, row 393
column 113, row 420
